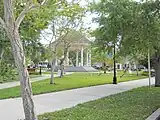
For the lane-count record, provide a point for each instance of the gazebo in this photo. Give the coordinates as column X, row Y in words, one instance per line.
column 78, row 43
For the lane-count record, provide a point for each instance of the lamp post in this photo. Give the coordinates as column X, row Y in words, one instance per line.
column 40, row 71
column 114, row 58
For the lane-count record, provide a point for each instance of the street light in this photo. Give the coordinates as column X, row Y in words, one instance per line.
column 114, row 58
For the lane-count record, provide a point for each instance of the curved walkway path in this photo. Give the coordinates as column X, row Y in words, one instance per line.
column 16, row 83
column 11, row 109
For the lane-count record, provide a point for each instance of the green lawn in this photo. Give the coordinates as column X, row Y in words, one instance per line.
column 136, row 104
column 76, row 80
column 48, row 72
column 6, row 80
column 35, row 76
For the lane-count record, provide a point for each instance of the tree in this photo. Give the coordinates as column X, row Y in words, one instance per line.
column 34, row 51
column 138, row 23
column 7, row 71
column 68, row 16
column 69, row 20
column 11, row 24
column 51, row 51
column 102, row 56
column 3, row 43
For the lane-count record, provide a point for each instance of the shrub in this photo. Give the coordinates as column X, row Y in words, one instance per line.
column 146, row 73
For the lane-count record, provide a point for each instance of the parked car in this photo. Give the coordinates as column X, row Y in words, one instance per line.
column 141, row 67
column 146, row 72
column 97, row 65
column 43, row 64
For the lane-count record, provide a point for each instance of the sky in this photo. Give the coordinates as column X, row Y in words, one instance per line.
column 87, row 23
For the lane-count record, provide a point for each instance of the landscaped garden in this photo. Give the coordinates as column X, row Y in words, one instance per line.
column 136, row 104
column 76, row 80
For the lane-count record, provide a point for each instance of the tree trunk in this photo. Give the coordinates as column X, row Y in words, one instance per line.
column 1, row 52
column 62, row 61
column 18, row 54
column 61, row 68
column 157, row 73
column 137, row 70
column 104, row 68
column 26, row 90
column 52, row 72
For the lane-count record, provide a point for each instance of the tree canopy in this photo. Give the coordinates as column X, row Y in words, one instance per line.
column 137, row 24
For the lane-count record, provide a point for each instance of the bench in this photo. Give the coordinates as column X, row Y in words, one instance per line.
column 31, row 70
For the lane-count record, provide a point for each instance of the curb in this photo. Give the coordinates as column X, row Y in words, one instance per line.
column 155, row 115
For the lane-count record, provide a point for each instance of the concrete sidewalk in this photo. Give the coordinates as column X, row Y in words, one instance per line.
column 11, row 109
column 16, row 83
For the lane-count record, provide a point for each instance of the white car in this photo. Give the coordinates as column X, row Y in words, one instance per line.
column 42, row 65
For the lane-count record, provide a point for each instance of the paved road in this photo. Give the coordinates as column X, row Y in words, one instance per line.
column 11, row 109
column 16, row 83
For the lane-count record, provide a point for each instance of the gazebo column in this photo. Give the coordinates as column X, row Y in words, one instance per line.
column 82, row 55
column 87, row 57
column 77, row 64
column 121, row 67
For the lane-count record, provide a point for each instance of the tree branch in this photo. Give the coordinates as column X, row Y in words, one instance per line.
column 2, row 23
column 23, row 13
column 43, row 2
column 26, row 10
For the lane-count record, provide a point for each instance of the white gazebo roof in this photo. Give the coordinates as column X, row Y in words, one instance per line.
column 76, row 40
